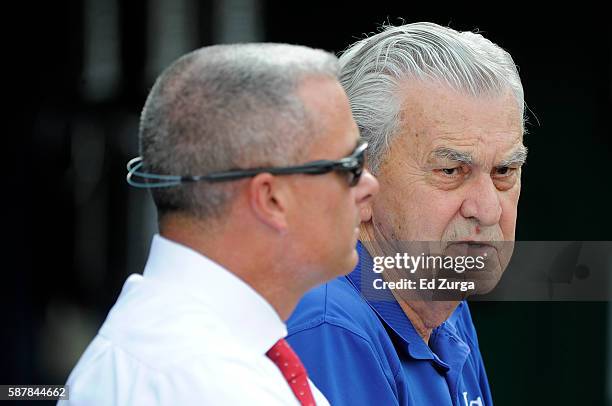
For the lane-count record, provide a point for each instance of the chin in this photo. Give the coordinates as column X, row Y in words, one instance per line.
column 350, row 263
column 355, row 260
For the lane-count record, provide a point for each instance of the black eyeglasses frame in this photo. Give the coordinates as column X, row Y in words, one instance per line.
column 352, row 165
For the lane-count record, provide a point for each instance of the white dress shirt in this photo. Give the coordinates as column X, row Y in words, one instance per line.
column 186, row 332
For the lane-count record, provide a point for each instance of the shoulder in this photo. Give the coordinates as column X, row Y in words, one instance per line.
column 149, row 320
column 108, row 375
column 335, row 316
column 337, row 303
column 344, row 345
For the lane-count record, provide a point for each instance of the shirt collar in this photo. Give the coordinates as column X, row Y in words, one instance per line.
column 250, row 318
column 389, row 311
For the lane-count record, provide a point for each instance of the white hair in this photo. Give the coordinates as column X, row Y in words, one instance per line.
column 373, row 69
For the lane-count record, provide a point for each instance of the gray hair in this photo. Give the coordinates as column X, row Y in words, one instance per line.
column 372, row 69
column 225, row 107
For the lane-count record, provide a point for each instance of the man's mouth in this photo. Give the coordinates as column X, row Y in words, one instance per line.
column 471, row 248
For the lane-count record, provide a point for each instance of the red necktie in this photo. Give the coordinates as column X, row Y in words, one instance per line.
column 292, row 369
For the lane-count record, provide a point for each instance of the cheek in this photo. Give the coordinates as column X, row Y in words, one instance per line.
column 507, row 221
column 341, row 215
column 418, row 214
column 311, row 207
column 443, row 207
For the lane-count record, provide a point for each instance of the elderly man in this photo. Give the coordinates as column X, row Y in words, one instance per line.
column 252, row 155
column 443, row 114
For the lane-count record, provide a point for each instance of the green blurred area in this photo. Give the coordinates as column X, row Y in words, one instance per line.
column 539, row 353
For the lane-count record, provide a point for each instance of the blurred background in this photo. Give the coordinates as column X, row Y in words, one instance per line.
column 82, row 70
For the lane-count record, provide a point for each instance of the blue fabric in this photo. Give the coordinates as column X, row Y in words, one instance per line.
column 362, row 351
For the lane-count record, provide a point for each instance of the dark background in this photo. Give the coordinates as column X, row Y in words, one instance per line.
column 82, row 69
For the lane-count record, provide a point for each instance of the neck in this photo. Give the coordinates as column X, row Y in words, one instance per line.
column 424, row 315
column 252, row 263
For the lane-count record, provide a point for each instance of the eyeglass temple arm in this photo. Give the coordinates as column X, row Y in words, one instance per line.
column 140, row 179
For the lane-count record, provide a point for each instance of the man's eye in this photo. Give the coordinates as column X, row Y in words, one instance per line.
column 450, row 171
column 504, row 171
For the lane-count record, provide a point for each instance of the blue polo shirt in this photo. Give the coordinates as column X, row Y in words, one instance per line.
column 363, row 350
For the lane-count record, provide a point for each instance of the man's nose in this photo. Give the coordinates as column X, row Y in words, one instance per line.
column 366, row 188
column 482, row 201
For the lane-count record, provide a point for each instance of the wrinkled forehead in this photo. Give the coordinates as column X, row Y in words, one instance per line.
column 434, row 118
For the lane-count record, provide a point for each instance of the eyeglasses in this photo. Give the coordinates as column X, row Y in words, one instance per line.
column 351, row 165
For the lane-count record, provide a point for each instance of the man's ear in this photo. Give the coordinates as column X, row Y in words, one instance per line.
column 268, row 198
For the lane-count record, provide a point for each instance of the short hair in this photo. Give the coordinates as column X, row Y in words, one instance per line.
column 224, row 107
column 372, row 69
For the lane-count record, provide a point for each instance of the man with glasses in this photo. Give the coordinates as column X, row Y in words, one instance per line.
column 442, row 112
column 253, row 160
